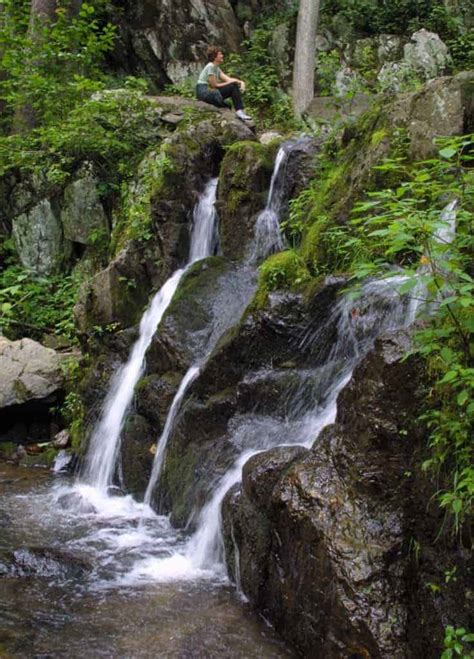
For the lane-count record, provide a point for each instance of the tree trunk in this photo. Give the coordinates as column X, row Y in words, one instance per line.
column 2, row 70
column 41, row 10
column 305, row 51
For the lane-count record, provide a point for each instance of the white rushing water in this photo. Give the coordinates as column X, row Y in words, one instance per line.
column 268, row 237
column 190, row 376
column 105, row 440
column 310, row 407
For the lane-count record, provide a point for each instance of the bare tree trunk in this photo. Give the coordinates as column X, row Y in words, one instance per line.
column 2, row 71
column 305, row 51
column 41, row 10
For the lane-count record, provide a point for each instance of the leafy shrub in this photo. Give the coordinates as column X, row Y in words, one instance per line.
column 406, row 225
column 33, row 306
column 52, row 66
column 111, row 128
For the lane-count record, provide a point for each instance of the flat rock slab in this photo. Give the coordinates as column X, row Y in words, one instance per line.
column 29, row 371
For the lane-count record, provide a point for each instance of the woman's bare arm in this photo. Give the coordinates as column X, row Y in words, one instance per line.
column 225, row 80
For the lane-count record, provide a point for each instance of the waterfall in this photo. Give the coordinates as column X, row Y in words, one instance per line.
column 105, row 440
column 312, row 405
column 190, row 376
column 268, row 238
column 379, row 308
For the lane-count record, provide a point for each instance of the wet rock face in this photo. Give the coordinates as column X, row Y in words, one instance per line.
column 324, row 536
column 244, row 185
column 118, row 293
column 249, row 371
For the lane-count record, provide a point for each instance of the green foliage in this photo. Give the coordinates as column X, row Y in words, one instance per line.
column 110, row 128
column 327, row 65
column 351, row 19
column 283, row 270
column 51, row 66
column 256, row 65
column 456, row 643
column 186, row 88
column 405, row 226
column 367, row 17
column 33, row 306
column 72, row 409
column 461, row 48
column 135, row 214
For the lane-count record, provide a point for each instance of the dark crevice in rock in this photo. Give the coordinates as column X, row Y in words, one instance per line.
column 32, row 421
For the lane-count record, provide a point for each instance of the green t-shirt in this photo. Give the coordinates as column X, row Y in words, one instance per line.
column 209, row 70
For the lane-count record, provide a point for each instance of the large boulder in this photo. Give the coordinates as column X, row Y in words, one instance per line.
column 29, row 371
column 31, row 384
column 82, row 214
column 324, row 536
column 426, row 54
column 444, row 107
column 425, row 57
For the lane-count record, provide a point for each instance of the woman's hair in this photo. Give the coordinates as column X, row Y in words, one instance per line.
column 212, row 52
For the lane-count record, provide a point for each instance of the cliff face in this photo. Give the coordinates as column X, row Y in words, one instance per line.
column 166, row 42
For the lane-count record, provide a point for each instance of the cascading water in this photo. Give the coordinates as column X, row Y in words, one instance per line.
column 105, row 441
column 204, row 241
column 188, row 379
column 268, row 237
column 311, row 405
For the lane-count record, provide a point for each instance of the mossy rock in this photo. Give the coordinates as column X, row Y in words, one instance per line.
column 137, row 450
column 243, row 187
column 285, row 270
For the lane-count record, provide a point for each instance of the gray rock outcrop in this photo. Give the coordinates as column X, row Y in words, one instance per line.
column 82, row 214
column 29, row 371
column 166, row 41
column 38, row 238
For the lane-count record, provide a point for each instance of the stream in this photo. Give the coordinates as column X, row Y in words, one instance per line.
column 69, row 591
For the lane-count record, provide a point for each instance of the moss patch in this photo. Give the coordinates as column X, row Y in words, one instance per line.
column 283, row 270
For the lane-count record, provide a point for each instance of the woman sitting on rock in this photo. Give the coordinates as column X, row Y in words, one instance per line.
column 214, row 86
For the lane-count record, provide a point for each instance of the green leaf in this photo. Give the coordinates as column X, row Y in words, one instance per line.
column 447, row 354
column 462, row 397
column 6, row 308
column 457, row 506
column 447, row 153
column 449, row 377
column 409, row 285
